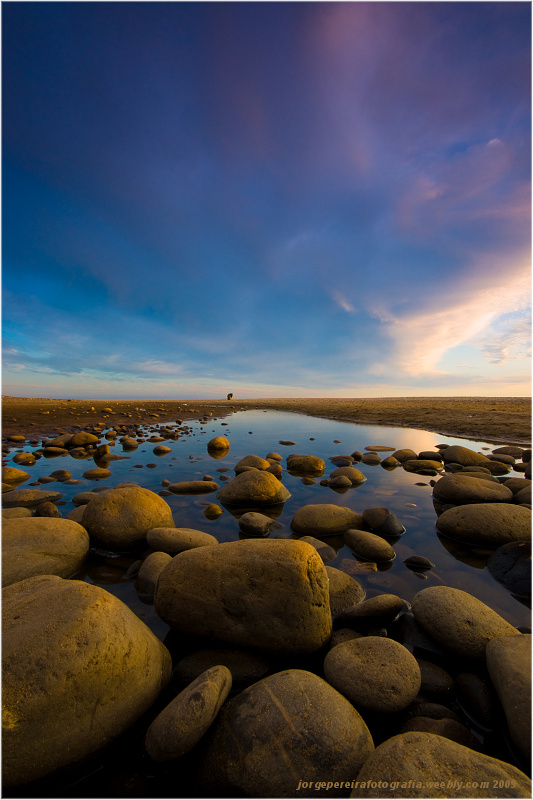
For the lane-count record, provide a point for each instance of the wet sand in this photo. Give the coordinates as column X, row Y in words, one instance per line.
column 491, row 419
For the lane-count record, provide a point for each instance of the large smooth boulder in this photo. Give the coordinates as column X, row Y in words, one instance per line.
column 267, row 593
column 325, row 519
column 486, row 524
column 122, row 517
column 374, row 673
column 78, row 669
column 218, row 443
column 457, row 454
column 458, row 621
column 14, row 476
column 283, row 736
column 252, row 461
column 187, row 718
column 460, row 489
column 509, row 666
column 42, row 546
column 254, row 488
column 427, row 765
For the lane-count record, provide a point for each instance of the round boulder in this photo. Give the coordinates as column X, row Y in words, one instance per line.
column 254, row 488
column 374, row 673
column 354, row 475
column 305, row 465
column 383, row 522
column 122, row 517
column 78, row 669
column 218, row 443
column 255, row 524
column 41, row 546
column 345, row 592
column 486, row 524
column 511, row 565
column 284, row 733
column 458, row 621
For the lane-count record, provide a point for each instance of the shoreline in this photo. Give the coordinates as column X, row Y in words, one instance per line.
column 490, row 419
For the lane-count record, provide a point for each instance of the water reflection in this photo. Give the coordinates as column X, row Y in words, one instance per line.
column 407, row 495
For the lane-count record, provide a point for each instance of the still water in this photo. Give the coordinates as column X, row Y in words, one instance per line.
column 408, row 495
column 125, row 771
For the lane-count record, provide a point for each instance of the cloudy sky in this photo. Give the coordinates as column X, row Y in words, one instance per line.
column 273, row 199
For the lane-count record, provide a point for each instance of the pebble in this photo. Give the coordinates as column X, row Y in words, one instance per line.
column 345, row 592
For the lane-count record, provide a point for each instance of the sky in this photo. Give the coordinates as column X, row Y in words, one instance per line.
column 274, row 199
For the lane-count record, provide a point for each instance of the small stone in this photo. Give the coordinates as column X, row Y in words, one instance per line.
column 256, row 488
column 355, row 476
column 96, row 474
column 47, row 509
column 255, row 524
column 193, row 487
column 418, row 562
column 302, row 465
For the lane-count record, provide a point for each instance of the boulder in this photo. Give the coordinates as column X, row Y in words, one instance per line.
column 325, row 519
column 267, row 593
column 42, row 546
column 187, row 718
column 374, row 673
column 28, row 498
column 283, row 736
column 81, row 439
column 122, row 517
column 97, row 474
column 486, row 524
column 510, row 564
column 404, row 455
column 16, row 513
column 193, row 487
column 460, row 489
column 458, row 621
column 449, row 728
column 423, row 466
column 383, row 522
column 305, row 465
column 255, row 524
column 354, row 475
column 218, row 443
column 149, row 572
column 78, row 669
column 14, row 476
column 379, row 610
column 457, row 454
column 428, row 765
column 175, row 540
column 345, row 592
column 252, row 461
column 509, row 666
column 254, row 488
column 368, row 546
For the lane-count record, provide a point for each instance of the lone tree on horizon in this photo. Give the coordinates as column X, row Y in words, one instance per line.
column 229, row 397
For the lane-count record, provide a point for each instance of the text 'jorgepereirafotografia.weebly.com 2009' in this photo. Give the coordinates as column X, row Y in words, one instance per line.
column 411, row 784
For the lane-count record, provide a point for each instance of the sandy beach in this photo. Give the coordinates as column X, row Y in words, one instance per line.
column 491, row 419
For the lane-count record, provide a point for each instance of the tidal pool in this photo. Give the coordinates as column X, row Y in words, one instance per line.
column 126, row 772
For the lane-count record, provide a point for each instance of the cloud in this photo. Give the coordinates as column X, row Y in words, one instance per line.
column 421, row 338
column 342, row 302
column 513, row 341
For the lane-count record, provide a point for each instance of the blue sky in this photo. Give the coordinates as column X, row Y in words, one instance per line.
column 274, row 199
